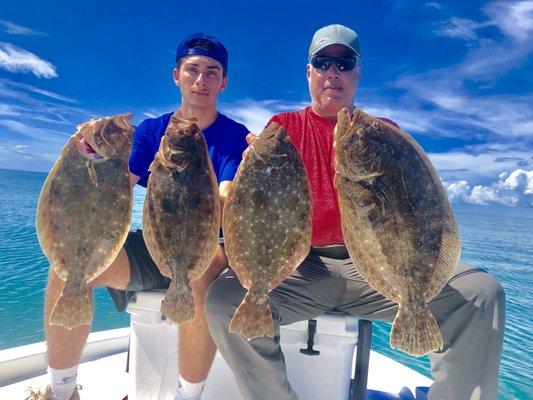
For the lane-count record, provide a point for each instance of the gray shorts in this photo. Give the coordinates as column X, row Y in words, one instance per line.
column 144, row 274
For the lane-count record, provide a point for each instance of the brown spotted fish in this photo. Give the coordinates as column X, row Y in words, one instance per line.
column 84, row 212
column 267, row 225
column 181, row 216
column 397, row 223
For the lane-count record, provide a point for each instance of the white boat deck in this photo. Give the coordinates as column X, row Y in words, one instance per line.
column 104, row 379
column 153, row 362
column 102, row 372
column 107, row 379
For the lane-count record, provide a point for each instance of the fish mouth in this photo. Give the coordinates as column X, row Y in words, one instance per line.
column 88, row 152
column 181, row 150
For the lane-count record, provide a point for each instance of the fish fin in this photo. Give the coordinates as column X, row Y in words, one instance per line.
column 92, row 172
column 277, row 160
column 71, row 310
column 415, row 331
column 178, row 304
column 154, row 164
column 446, row 263
column 252, row 320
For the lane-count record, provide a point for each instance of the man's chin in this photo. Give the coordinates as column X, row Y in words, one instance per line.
column 331, row 107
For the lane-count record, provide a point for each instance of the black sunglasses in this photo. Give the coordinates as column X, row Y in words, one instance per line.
column 323, row 63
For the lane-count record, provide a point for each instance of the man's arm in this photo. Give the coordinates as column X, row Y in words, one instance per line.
column 134, row 179
column 219, row 262
column 224, row 189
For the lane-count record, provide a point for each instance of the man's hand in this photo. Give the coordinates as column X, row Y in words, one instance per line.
column 249, row 139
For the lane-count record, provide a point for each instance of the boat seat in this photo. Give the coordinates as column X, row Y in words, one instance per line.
column 319, row 355
column 358, row 383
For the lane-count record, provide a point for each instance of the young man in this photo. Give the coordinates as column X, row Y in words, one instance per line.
column 470, row 310
column 200, row 75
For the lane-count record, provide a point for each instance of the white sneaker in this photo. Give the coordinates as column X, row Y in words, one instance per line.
column 45, row 393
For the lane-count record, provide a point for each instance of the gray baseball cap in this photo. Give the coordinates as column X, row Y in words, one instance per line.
column 335, row 34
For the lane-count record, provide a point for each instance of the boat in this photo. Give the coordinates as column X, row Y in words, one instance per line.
column 329, row 357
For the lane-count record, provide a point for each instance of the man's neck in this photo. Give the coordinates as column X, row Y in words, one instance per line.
column 329, row 115
column 204, row 116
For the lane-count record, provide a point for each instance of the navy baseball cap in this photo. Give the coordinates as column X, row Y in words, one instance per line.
column 200, row 44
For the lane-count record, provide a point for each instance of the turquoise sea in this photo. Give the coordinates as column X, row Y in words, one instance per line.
column 497, row 239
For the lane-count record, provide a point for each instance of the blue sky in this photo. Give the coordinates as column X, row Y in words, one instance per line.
column 456, row 75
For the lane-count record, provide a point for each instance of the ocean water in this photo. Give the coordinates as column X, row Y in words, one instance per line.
column 499, row 240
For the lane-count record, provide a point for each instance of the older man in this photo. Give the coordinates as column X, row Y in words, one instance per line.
column 470, row 309
column 200, row 75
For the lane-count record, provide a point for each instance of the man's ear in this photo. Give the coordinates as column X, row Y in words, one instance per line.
column 224, row 83
column 308, row 69
column 176, row 76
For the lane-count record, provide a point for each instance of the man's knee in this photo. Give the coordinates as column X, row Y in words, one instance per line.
column 492, row 290
column 222, row 299
column 214, row 301
column 117, row 275
column 487, row 290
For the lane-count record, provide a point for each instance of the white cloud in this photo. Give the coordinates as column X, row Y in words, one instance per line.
column 479, row 164
column 18, row 101
column 519, row 180
column 15, row 59
column 455, row 90
column 36, row 118
column 153, row 112
column 513, row 18
column 256, row 113
column 434, row 5
column 149, row 115
column 511, row 189
column 504, row 115
column 459, row 28
column 47, row 93
column 7, row 86
column 32, row 132
column 8, row 110
column 14, row 29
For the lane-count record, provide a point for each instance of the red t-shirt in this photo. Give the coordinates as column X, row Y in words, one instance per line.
column 313, row 137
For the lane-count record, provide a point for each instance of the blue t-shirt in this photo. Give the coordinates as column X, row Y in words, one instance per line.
column 226, row 140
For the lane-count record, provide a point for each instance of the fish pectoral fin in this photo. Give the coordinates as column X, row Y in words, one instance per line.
column 362, row 211
column 92, row 172
column 370, row 177
column 278, row 160
column 153, row 164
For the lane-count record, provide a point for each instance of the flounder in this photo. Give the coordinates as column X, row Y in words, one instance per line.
column 84, row 212
column 397, row 223
column 181, row 215
column 267, row 225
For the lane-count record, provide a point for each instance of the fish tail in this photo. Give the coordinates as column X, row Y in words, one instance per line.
column 72, row 309
column 178, row 304
column 252, row 320
column 415, row 331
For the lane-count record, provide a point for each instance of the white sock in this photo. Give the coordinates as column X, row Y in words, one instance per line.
column 189, row 390
column 63, row 382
